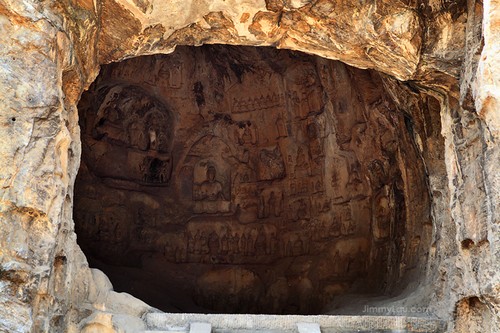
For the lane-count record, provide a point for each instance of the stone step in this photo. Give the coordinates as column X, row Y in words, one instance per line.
column 243, row 323
column 200, row 328
column 247, row 331
column 308, row 328
column 163, row 331
column 169, row 329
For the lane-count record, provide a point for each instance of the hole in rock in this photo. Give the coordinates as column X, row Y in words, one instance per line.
column 248, row 180
column 467, row 244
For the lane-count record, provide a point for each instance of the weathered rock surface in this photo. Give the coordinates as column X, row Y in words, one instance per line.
column 252, row 179
column 445, row 53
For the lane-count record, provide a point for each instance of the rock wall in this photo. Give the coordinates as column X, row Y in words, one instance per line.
column 216, row 162
column 51, row 51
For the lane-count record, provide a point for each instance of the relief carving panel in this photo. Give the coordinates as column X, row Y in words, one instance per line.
column 253, row 181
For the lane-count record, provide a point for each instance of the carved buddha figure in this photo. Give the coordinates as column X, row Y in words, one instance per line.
column 211, row 189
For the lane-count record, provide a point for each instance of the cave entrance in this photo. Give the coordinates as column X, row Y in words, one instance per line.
column 248, row 180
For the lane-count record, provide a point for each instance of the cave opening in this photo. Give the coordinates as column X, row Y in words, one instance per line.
column 249, row 180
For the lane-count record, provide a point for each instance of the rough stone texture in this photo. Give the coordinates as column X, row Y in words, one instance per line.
column 252, row 179
column 51, row 50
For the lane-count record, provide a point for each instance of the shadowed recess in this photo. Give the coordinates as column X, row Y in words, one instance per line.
column 249, row 180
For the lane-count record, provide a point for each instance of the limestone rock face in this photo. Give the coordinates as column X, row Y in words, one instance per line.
column 443, row 54
column 385, row 36
column 217, row 161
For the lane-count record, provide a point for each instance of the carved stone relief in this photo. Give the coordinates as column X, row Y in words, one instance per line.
column 267, row 188
column 133, row 129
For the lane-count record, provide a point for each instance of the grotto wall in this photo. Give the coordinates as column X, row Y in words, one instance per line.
column 51, row 52
column 295, row 172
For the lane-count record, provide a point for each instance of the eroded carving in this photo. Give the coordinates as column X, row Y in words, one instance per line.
column 272, row 186
column 208, row 194
column 134, row 130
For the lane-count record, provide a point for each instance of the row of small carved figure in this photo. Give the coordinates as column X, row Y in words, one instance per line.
column 247, row 245
column 258, row 103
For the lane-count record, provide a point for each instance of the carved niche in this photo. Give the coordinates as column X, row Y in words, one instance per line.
column 130, row 137
column 210, row 180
